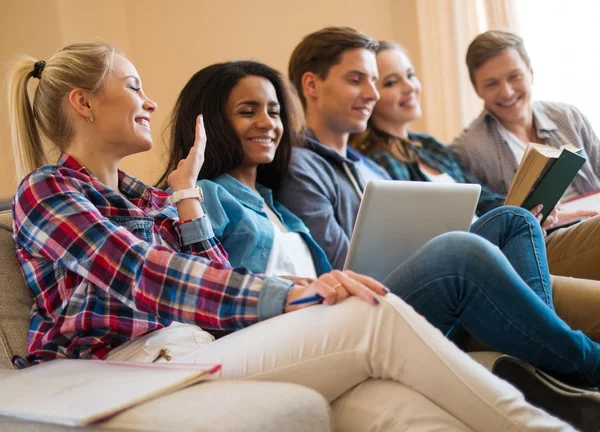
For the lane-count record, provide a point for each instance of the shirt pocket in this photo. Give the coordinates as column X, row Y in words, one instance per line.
column 140, row 227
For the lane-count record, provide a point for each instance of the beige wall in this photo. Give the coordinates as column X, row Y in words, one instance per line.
column 168, row 41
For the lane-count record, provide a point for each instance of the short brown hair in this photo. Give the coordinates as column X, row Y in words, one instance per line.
column 491, row 43
column 321, row 50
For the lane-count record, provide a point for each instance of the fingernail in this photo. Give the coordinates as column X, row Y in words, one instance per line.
column 387, row 290
column 376, row 300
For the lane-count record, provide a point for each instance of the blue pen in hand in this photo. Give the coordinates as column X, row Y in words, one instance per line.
column 314, row 298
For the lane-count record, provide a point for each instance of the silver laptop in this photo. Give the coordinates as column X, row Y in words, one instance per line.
column 396, row 218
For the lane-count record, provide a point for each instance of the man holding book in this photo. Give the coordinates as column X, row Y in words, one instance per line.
column 494, row 144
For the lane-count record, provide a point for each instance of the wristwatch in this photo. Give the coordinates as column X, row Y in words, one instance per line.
column 187, row 193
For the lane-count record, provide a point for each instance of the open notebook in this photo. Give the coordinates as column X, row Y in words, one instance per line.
column 79, row 392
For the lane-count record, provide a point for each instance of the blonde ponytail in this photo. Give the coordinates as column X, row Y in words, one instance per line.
column 84, row 66
column 27, row 146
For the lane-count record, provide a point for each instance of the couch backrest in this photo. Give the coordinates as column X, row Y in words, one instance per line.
column 15, row 297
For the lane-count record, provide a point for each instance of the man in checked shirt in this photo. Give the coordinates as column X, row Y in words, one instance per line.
column 492, row 146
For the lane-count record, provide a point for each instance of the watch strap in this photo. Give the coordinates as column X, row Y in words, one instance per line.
column 182, row 194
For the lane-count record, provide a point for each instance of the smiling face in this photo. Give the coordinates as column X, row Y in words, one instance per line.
column 122, row 111
column 504, row 83
column 346, row 97
column 400, row 91
column 254, row 112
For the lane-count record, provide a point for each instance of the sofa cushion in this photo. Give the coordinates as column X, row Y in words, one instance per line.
column 221, row 406
column 15, row 297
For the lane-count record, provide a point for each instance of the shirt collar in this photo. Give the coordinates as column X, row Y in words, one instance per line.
column 351, row 154
column 542, row 122
column 245, row 195
column 131, row 187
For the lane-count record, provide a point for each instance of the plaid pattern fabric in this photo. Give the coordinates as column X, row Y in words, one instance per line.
column 440, row 157
column 483, row 150
column 105, row 269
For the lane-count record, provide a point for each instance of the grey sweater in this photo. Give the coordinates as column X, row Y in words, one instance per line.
column 319, row 189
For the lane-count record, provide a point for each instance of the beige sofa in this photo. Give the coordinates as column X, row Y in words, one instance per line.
column 216, row 406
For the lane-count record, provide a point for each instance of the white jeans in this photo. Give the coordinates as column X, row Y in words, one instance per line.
column 337, row 349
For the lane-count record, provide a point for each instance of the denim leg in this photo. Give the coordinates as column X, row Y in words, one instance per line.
column 461, row 278
column 518, row 235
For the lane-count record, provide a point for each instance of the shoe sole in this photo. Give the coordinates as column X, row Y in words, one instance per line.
column 579, row 408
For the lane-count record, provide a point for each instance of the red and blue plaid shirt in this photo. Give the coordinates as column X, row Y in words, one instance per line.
column 106, row 267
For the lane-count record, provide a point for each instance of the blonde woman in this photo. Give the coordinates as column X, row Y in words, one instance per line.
column 112, row 264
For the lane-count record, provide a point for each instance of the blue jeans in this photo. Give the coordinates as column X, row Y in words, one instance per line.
column 499, row 291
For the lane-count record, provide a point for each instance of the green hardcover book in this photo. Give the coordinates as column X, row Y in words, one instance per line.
column 554, row 181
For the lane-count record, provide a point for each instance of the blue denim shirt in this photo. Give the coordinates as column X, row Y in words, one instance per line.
column 244, row 229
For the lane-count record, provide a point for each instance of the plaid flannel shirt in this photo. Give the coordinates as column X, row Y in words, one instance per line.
column 105, row 268
column 443, row 159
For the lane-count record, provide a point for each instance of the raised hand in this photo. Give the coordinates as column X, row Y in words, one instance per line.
column 186, row 173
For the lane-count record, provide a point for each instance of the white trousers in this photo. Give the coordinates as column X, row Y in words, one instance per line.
column 382, row 368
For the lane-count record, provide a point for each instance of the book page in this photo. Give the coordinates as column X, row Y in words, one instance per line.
column 78, row 392
column 529, row 172
column 572, row 148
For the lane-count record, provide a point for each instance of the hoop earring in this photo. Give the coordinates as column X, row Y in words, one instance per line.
column 91, row 118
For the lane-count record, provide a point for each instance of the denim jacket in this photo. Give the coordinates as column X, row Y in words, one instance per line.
column 244, row 229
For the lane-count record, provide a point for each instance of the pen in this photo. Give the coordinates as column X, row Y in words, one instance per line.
column 310, row 299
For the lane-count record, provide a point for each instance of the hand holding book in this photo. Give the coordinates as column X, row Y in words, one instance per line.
column 543, row 176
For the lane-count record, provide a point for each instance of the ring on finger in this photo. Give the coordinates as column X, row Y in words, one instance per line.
column 341, row 294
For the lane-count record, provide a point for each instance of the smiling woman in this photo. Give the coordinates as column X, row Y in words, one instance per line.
column 120, row 114
column 254, row 112
column 214, row 92
column 250, row 133
column 388, row 140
